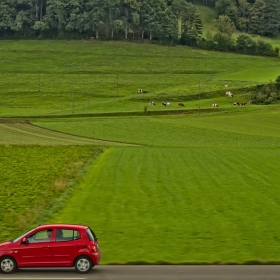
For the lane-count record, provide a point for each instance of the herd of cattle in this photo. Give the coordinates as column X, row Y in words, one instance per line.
column 214, row 105
column 168, row 104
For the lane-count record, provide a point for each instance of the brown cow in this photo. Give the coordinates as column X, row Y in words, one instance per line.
column 181, row 104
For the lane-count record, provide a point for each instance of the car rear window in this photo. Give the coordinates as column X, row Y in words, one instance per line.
column 91, row 235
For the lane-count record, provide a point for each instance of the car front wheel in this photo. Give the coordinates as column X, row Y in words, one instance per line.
column 83, row 264
column 7, row 265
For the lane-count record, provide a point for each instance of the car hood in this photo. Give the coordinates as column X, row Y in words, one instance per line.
column 5, row 245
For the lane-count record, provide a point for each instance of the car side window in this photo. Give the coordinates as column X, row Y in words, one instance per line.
column 63, row 235
column 40, row 236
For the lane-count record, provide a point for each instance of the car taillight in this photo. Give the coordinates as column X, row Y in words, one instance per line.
column 93, row 246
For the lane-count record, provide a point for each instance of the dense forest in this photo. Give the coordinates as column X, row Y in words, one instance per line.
column 165, row 20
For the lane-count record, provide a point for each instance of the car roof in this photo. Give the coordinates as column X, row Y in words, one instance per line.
column 65, row 226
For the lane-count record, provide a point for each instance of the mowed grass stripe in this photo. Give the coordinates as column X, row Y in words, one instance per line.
column 24, row 133
column 182, row 204
column 218, row 130
column 22, row 136
column 263, row 123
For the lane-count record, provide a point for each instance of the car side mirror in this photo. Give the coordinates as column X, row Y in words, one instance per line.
column 24, row 241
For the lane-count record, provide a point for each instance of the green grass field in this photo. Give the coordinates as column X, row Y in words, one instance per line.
column 236, row 129
column 180, row 205
column 202, row 184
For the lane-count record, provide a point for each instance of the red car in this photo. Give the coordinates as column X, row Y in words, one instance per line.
column 56, row 245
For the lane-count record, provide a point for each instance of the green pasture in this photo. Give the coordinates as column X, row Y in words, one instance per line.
column 32, row 177
column 237, row 129
column 258, row 75
column 81, row 77
column 180, row 204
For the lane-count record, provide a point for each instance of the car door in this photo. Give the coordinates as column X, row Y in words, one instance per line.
column 37, row 251
column 66, row 246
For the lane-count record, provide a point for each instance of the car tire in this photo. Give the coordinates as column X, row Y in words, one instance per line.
column 8, row 265
column 83, row 264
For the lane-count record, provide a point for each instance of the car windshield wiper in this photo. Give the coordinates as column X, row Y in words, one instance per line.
column 12, row 240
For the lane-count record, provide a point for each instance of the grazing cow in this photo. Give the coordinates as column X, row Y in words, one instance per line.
column 181, row 104
column 168, row 104
column 242, row 103
column 251, row 101
column 215, row 105
column 152, row 103
column 229, row 94
column 140, row 90
column 235, row 104
column 163, row 104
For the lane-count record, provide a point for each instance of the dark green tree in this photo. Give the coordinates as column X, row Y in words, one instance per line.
column 245, row 44
column 225, row 25
column 7, row 18
column 257, row 19
column 272, row 18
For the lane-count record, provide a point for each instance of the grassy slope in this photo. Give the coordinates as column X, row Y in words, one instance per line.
column 76, row 76
column 208, row 15
column 181, row 204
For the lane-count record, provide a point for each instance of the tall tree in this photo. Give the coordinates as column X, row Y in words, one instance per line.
column 130, row 9
column 93, row 16
column 272, row 18
column 243, row 8
column 181, row 9
column 256, row 23
column 7, row 17
column 225, row 25
column 112, row 14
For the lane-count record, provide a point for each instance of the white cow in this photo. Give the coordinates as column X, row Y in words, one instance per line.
column 229, row 94
column 215, row 105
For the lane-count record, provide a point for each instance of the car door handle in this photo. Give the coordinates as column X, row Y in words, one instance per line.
column 46, row 247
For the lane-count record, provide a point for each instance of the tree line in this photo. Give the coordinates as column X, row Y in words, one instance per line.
column 163, row 20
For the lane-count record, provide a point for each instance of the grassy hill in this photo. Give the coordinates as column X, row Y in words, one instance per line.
column 81, row 77
column 208, row 15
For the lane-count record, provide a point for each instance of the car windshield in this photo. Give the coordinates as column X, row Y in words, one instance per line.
column 17, row 239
